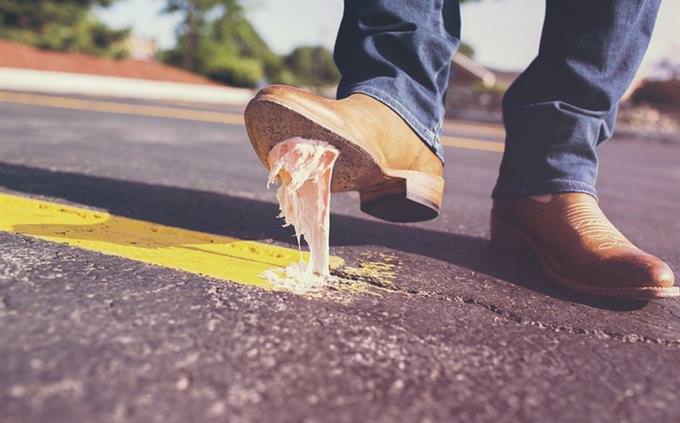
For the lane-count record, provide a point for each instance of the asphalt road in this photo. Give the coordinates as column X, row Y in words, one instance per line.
column 464, row 333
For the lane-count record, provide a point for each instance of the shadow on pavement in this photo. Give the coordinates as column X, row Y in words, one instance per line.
column 243, row 218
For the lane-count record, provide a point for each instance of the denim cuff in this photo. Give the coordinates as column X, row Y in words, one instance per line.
column 429, row 136
column 553, row 186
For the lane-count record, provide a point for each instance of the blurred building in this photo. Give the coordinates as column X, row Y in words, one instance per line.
column 141, row 48
column 466, row 71
column 475, row 91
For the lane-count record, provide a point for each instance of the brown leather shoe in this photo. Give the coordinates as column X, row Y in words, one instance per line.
column 579, row 248
column 398, row 177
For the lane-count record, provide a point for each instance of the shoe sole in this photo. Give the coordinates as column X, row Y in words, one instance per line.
column 507, row 236
column 388, row 194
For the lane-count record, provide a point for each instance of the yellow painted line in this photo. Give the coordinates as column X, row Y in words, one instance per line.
column 194, row 115
column 472, row 144
column 122, row 108
column 200, row 253
column 477, row 128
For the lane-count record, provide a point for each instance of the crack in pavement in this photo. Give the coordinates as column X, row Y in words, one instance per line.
column 626, row 338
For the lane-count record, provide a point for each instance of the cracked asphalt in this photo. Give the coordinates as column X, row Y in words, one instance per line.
column 463, row 333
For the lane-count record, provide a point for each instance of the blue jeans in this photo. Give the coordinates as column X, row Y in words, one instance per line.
column 556, row 112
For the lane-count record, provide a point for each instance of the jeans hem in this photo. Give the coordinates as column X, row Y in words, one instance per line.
column 428, row 136
column 554, row 186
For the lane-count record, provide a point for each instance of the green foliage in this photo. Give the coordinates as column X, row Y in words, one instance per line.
column 466, row 49
column 236, row 71
column 313, row 66
column 217, row 40
column 63, row 25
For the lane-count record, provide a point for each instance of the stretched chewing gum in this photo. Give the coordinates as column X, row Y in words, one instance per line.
column 304, row 169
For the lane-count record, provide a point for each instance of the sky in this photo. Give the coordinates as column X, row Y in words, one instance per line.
column 504, row 33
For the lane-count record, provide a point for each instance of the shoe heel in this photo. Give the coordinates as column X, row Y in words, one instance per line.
column 505, row 236
column 405, row 196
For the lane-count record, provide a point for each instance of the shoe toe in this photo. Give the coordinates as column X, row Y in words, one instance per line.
column 662, row 275
column 633, row 270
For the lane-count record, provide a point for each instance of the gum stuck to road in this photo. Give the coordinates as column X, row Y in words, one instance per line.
column 304, row 169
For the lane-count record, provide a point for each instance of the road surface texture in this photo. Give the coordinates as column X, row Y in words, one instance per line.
column 462, row 332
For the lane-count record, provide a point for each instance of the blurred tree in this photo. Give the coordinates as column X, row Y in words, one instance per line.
column 313, row 66
column 217, row 40
column 234, row 30
column 466, row 49
column 64, row 25
column 194, row 14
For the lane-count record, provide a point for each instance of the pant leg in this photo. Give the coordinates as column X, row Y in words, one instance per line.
column 399, row 52
column 565, row 103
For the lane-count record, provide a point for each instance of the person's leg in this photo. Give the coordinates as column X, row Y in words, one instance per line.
column 565, row 103
column 395, row 60
column 400, row 52
column 556, row 114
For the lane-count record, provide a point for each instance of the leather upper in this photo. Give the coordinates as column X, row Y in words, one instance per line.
column 581, row 243
column 366, row 121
